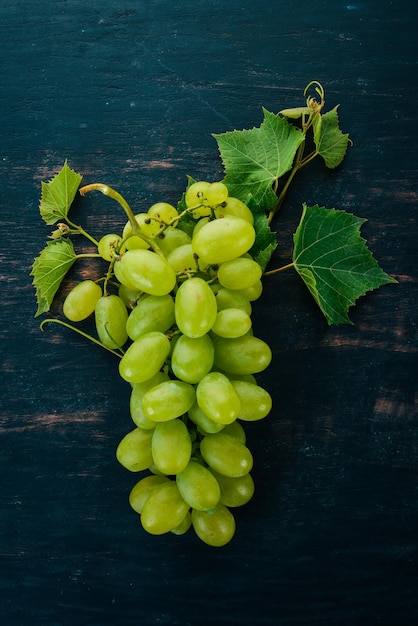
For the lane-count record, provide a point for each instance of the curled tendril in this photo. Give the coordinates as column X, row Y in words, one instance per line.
column 79, row 331
column 311, row 102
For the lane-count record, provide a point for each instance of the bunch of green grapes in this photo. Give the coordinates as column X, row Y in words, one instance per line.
column 180, row 315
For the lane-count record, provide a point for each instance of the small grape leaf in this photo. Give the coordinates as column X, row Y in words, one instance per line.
column 255, row 159
column 265, row 239
column 49, row 269
column 330, row 142
column 58, row 194
column 334, row 262
column 265, row 242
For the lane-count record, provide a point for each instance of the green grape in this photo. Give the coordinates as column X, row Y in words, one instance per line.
column 162, row 211
column 242, row 355
column 134, row 450
column 234, row 206
column 230, row 299
column 135, row 402
column 192, row 358
column 164, row 509
column 110, row 317
column 168, row 400
column 81, row 300
column 148, row 225
column 146, row 271
column 171, row 239
column 144, row 357
column 203, row 211
column 183, row 259
column 231, row 323
column 195, row 307
column 143, row 421
column 239, row 273
column 196, row 194
column 223, row 239
column 154, row 469
column 140, row 492
column 199, row 224
column 235, row 491
column 198, row 487
column 202, row 421
column 216, row 193
column 122, row 276
column 217, row 528
column 135, row 242
column 226, row 455
column 129, row 296
column 253, row 292
column 107, row 246
column 217, row 398
column 171, row 446
column 256, row 402
column 235, row 430
column 248, row 378
column 152, row 313
column 184, row 526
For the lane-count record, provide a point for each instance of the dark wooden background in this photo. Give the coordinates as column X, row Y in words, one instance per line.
column 130, row 92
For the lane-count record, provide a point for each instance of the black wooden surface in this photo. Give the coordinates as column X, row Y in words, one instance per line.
column 130, row 92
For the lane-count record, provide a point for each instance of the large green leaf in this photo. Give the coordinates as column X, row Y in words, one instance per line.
column 333, row 260
column 49, row 269
column 58, row 194
column 331, row 143
column 255, row 159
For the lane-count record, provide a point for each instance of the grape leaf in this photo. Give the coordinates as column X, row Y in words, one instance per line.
column 58, row 194
column 334, row 262
column 330, row 142
column 265, row 239
column 265, row 242
column 49, row 269
column 255, row 159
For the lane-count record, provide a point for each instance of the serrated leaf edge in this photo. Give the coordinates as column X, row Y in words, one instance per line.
column 318, row 136
column 44, row 297
column 305, row 270
column 51, row 216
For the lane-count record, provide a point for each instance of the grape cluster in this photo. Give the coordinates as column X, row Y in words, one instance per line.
column 183, row 309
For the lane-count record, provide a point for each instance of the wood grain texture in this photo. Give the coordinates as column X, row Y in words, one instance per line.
column 130, row 93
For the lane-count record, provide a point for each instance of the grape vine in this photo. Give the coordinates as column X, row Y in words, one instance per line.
column 175, row 304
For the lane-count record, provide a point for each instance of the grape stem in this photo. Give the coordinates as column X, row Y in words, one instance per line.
column 112, row 193
column 307, row 122
column 88, row 255
column 279, row 269
column 79, row 230
column 79, row 331
column 108, row 191
column 298, row 164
